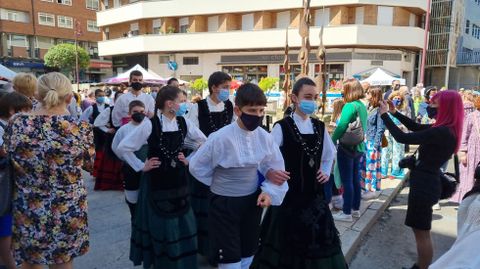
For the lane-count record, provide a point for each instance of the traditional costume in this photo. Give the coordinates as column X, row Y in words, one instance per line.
column 120, row 112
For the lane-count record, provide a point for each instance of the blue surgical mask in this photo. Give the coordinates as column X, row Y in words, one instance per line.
column 308, row 106
column 396, row 102
column 101, row 100
column 223, row 95
column 154, row 95
column 182, row 109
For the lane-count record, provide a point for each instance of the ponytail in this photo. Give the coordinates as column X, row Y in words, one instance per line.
column 51, row 99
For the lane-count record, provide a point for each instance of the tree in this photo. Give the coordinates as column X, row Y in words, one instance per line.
column 268, row 83
column 62, row 56
column 199, row 85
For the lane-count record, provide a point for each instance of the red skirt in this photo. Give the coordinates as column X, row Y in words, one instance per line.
column 107, row 172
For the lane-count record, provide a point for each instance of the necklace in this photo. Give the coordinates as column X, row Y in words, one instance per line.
column 224, row 115
column 311, row 152
column 170, row 154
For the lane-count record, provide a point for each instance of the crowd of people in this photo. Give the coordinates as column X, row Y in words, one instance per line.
column 207, row 177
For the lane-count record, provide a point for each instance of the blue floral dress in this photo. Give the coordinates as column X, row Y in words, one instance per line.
column 50, row 199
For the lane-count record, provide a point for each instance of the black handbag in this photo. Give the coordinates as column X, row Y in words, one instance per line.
column 449, row 182
column 6, row 185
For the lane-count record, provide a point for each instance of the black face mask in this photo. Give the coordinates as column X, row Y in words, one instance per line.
column 251, row 122
column 136, row 86
column 138, row 117
column 431, row 112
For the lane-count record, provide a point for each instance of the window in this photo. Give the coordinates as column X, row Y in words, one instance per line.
column 92, row 26
column 322, row 17
column 190, row 60
column 283, row 19
column 413, row 20
column 93, row 4
column 163, row 59
column 247, row 22
column 157, row 26
column 116, row 3
column 46, row 19
column 105, row 3
column 65, row 22
column 44, row 42
column 107, row 33
column 213, row 24
column 65, row 2
column 359, row 15
column 183, row 22
column 134, row 29
column 14, row 15
column 51, row 1
column 385, row 16
column 17, row 41
column 467, row 27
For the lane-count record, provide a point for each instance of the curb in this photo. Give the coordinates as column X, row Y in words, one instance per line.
column 352, row 236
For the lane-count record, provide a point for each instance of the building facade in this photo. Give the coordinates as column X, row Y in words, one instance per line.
column 454, row 39
column 247, row 38
column 28, row 28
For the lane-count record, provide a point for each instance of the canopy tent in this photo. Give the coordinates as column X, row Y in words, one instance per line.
column 380, row 77
column 6, row 74
column 148, row 77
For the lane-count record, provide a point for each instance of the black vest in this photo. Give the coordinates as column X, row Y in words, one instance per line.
column 95, row 112
column 168, row 185
column 213, row 121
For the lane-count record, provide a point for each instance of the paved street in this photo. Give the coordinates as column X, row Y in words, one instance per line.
column 390, row 244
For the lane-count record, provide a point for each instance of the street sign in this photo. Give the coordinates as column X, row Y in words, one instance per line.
column 172, row 65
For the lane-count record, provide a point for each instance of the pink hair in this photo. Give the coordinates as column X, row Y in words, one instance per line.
column 450, row 113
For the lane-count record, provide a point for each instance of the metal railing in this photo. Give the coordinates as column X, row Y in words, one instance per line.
column 468, row 58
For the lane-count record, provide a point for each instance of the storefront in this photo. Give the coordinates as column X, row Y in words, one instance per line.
column 248, row 73
column 28, row 66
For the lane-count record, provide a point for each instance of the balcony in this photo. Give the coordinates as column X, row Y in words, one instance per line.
column 468, row 58
column 181, row 8
column 347, row 36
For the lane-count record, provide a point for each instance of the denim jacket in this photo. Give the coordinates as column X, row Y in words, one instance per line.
column 375, row 127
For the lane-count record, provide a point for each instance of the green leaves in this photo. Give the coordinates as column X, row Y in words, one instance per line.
column 268, row 83
column 62, row 56
column 199, row 85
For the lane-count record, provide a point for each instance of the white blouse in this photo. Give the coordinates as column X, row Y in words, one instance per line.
column 232, row 147
column 102, row 119
column 121, row 133
column 89, row 111
column 139, row 136
column 120, row 109
column 306, row 127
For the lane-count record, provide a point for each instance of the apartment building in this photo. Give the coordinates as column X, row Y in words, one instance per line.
column 454, row 38
column 28, row 28
column 246, row 38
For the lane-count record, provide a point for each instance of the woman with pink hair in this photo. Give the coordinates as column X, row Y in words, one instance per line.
column 437, row 143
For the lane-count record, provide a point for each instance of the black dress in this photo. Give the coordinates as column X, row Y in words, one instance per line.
column 437, row 145
column 209, row 122
column 163, row 230
column 301, row 233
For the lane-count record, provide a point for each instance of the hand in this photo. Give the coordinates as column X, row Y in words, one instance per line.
column 464, row 159
column 391, row 107
column 182, row 158
column 264, row 200
column 277, row 177
column 111, row 130
column 383, row 107
column 322, row 178
column 150, row 115
column 151, row 163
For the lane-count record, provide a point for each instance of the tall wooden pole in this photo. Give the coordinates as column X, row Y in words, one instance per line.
column 286, row 70
column 322, row 75
column 304, row 31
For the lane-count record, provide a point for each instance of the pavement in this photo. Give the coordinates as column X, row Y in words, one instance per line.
column 109, row 224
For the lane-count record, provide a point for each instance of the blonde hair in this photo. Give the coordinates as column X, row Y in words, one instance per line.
column 25, row 84
column 352, row 90
column 394, row 94
column 337, row 109
column 53, row 89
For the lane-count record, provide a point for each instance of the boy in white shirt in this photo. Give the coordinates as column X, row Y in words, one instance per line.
column 228, row 163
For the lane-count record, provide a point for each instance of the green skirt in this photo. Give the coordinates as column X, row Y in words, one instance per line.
column 200, row 194
column 276, row 250
column 164, row 243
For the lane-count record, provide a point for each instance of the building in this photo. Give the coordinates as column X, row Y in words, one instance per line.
column 454, row 38
column 247, row 38
column 28, row 28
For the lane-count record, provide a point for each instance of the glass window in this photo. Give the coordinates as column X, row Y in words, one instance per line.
column 213, row 24
column 65, row 2
column 65, row 22
column 93, row 4
column 46, row 19
column 44, row 42
column 156, row 26
column 17, row 41
column 184, row 23
column 190, row 60
column 467, row 27
column 92, row 26
column 283, row 19
column 247, row 22
column 385, row 16
column 163, row 59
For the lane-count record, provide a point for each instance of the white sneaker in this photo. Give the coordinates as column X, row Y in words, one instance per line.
column 356, row 213
column 337, row 202
column 369, row 195
column 340, row 216
column 436, row 206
